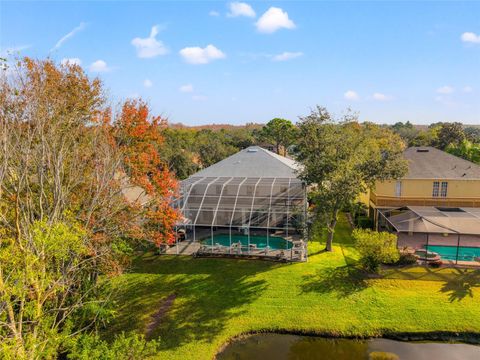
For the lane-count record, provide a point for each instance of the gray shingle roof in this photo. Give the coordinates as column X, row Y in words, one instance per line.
column 430, row 163
column 252, row 162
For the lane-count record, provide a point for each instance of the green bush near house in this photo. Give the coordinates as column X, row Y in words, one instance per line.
column 407, row 259
column 375, row 248
column 364, row 222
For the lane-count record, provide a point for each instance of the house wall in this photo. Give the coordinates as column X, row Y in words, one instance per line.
column 423, row 188
column 418, row 192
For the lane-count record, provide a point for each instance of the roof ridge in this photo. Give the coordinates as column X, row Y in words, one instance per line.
column 447, row 154
column 278, row 157
column 438, row 164
column 252, row 161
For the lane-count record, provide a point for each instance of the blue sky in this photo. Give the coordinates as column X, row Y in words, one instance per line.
column 221, row 62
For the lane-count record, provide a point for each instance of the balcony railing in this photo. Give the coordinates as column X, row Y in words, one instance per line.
column 393, row 201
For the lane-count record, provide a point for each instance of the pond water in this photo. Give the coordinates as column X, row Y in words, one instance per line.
column 293, row 347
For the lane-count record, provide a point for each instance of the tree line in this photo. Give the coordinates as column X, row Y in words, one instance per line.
column 454, row 138
column 187, row 150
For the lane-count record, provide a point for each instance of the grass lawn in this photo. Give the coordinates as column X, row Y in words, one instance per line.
column 212, row 300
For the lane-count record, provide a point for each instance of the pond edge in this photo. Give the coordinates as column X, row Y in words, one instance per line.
column 470, row 338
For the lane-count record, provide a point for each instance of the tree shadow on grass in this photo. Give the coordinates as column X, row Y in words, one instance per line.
column 345, row 280
column 321, row 251
column 458, row 283
column 462, row 285
column 208, row 293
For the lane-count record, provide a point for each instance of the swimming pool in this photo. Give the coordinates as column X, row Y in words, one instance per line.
column 465, row 253
column 274, row 242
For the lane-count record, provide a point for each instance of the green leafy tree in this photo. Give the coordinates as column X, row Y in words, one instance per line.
column 342, row 159
column 466, row 150
column 43, row 280
column 280, row 132
column 406, row 131
column 375, row 248
column 178, row 151
column 213, row 146
column 472, row 134
column 450, row 134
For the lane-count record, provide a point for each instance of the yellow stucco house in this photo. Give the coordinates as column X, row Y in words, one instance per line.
column 434, row 178
column 434, row 209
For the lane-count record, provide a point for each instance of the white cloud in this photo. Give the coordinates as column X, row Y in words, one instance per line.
column 71, row 61
column 197, row 55
column 274, row 19
column 147, row 83
column 287, row 56
column 351, row 95
column 199, row 97
column 445, row 90
column 149, row 47
column 68, row 36
column 99, row 66
column 240, row 9
column 214, row 13
column 381, row 97
column 467, row 89
column 470, row 37
column 187, row 88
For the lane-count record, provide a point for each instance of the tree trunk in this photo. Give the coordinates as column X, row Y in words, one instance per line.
column 331, row 231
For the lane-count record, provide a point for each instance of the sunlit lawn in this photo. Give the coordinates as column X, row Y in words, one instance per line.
column 216, row 299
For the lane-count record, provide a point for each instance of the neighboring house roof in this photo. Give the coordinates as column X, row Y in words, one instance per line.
column 253, row 161
column 133, row 193
column 426, row 162
column 437, row 220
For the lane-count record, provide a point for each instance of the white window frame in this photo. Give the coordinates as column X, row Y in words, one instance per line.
column 398, row 188
column 436, row 189
column 444, row 189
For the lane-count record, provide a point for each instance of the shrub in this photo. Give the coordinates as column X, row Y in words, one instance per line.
column 435, row 264
column 375, row 248
column 124, row 347
column 407, row 259
column 364, row 222
column 382, row 355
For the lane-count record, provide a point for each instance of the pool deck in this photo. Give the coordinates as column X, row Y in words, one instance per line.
column 196, row 248
column 183, row 248
column 200, row 250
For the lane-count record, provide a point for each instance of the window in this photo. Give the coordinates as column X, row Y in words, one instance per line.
column 436, row 186
column 398, row 189
column 443, row 189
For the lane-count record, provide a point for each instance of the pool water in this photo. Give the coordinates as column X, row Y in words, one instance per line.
column 274, row 242
column 450, row 252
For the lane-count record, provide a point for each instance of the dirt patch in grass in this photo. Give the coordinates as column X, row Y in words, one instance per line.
column 157, row 318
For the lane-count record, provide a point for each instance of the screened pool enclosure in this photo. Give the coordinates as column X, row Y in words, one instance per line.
column 450, row 234
column 251, row 203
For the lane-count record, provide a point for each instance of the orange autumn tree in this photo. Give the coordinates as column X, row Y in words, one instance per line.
column 138, row 136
